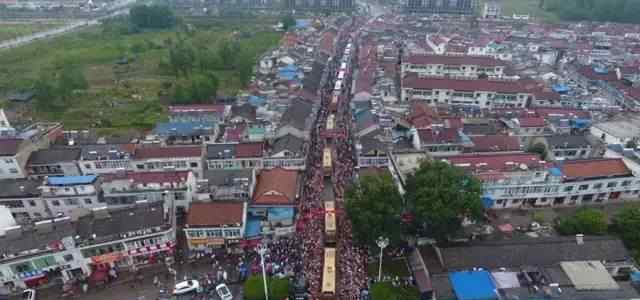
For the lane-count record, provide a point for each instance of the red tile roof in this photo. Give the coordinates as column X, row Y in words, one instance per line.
column 469, row 85
column 149, row 177
column 249, row 150
column 219, row 108
column 216, row 213
column 482, row 163
column 589, row 73
column 441, row 136
column 495, row 143
column 528, row 122
column 453, row 60
column 276, row 186
column 562, row 112
column 595, row 168
column 168, row 152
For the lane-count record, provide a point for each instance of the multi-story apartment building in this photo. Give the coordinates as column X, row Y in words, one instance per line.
column 105, row 159
column 63, row 195
column 525, row 181
column 54, row 162
column 215, row 224
column 226, row 185
column 480, row 93
column 452, row 65
column 212, row 113
column 174, row 188
column 22, row 198
column 15, row 152
column 460, row 7
column 235, row 155
column 158, row 159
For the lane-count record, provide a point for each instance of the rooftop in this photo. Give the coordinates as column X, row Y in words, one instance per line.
column 453, row 60
column 495, row 143
column 593, row 168
column 37, row 236
column 567, row 141
column 276, row 186
column 149, row 177
column 215, row 213
column 9, row 147
column 168, row 152
column 109, row 222
column 479, row 163
column 468, row 85
column 19, row 188
column 217, row 108
column 71, row 180
column 52, row 156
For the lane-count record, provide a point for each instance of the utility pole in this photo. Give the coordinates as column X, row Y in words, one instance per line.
column 382, row 242
column 262, row 250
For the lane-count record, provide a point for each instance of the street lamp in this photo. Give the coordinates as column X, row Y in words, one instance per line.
column 262, row 249
column 382, row 242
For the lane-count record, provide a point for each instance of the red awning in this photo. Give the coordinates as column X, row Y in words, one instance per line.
column 98, row 276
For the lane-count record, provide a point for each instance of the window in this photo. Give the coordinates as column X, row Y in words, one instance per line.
column 193, row 164
column 68, row 257
column 626, row 183
column 37, row 215
column 32, row 203
column 55, row 203
column 88, row 201
column 583, row 187
column 597, row 186
column 574, row 198
column 569, row 188
column 71, row 201
column 101, row 200
column 13, row 171
column 8, row 160
column 140, row 167
column 612, row 184
column 587, row 198
column 87, row 166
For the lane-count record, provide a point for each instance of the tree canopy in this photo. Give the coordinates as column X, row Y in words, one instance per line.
column 152, row 17
column 626, row 11
column 202, row 88
column 586, row 221
column 441, row 196
column 254, row 288
column 288, row 22
column 374, row 206
column 627, row 225
column 54, row 86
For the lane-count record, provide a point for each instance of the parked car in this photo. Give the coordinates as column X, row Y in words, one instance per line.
column 186, row 286
column 29, row 294
column 223, row 292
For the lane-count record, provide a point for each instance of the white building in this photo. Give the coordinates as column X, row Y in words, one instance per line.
column 63, row 195
column 158, row 159
column 452, row 65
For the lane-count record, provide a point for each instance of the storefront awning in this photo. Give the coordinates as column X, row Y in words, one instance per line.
column 280, row 213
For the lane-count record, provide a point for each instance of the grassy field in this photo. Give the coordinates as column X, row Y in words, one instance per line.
column 13, row 30
column 122, row 96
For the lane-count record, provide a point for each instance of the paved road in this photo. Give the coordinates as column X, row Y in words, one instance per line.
column 119, row 8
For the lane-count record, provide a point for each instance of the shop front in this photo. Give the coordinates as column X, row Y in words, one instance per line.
column 151, row 254
column 37, row 272
column 206, row 244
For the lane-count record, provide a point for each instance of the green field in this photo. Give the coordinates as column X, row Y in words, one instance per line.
column 531, row 7
column 123, row 96
column 10, row 31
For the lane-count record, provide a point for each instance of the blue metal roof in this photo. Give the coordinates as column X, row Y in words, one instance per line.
column 71, row 180
column 253, row 227
column 280, row 213
column 555, row 171
column 473, row 285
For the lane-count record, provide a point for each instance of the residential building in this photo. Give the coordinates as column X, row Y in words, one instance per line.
column 236, row 185
column 288, row 151
column 492, row 9
column 177, row 158
column 568, row 147
column 494, row 143
column 452, row 65
column 63, row 195
column 296, row 120
column 371, row 149
column 13, row 158
column 210, row 113
column 186, row 133
column 274, row 201
column 106, row 159
column 215, row 224
column 460, row 7
column 235, row 156
column 174, row 188
column 6, row 130
column 54, row 162
column 440, row 141
column 480, row 93
column 22, row 198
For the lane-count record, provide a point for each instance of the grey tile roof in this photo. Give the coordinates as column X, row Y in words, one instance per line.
column 34, row 236
column 225, row 177
column 19, row 188
column 297, row 114
column 288, row 142
column 52, row 156
column 111, row 222
column 533, row 252
column 221, row 151
column 567, row 141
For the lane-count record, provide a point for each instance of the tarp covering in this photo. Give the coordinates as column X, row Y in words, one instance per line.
column 473, row 285
column 589, row 275
column 506, row 280
column 280, row 213
column 69, row 180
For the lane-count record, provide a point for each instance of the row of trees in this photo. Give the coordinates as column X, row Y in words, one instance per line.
column 438, row 198
column 597, row 10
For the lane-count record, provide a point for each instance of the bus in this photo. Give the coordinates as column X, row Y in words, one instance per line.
column 330, row 222
column 326, row 162
column 338, row 87
column 331, row 122
column 329, row 274
column 333, row 106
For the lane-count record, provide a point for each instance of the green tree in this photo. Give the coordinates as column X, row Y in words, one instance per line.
column 152, row 17
column 288, row 22
column 200, row 89
column 627, row 225
column 538, row 148
column 374, row 206
column 254, row 288
column 385, row 290
column 586, row 221
column 441, row 196
column 228, row 53
column 182, row 58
